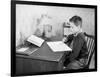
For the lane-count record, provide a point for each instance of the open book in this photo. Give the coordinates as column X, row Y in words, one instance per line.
column 35, row 40
column 58, row 46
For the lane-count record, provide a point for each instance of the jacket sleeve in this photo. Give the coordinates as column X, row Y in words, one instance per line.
column 77, row 46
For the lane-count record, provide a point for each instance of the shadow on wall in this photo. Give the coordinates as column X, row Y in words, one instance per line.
column 44, row 25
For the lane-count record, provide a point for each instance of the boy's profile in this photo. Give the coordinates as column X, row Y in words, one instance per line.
column 77, row 59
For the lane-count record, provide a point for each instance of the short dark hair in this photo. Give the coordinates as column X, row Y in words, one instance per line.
column 76, row 20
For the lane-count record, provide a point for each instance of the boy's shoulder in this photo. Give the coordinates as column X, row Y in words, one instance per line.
column 81, row 36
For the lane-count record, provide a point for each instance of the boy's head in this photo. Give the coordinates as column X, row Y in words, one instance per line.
column 76, row 20
column 75, row 24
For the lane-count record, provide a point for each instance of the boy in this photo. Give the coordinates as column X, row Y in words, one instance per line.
column 77, row 42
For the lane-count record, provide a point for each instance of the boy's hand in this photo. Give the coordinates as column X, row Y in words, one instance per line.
column 64, row 39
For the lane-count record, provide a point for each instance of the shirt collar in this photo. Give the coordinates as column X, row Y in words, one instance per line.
column 77, row 32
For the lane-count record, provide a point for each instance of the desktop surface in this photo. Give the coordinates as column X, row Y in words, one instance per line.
column 44, row 53
column 42, row 60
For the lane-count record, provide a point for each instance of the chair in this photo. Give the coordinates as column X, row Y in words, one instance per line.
column 91, row 48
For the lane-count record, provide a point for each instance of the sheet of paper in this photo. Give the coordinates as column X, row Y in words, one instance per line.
column 26, row 51
column 22, row 49
column 35, row 40
column 58, row 46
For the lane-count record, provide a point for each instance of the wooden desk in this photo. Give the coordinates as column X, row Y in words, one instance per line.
column 42, row 60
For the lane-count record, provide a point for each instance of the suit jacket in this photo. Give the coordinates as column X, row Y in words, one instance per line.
column 79, row 49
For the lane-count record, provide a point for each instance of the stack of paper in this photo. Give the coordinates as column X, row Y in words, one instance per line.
column 35, row 40
column 25, row 51
column 58, row 46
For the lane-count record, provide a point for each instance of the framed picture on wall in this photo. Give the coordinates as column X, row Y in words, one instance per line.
column 52, row 38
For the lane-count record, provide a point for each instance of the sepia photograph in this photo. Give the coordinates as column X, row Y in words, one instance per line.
column 51, row 38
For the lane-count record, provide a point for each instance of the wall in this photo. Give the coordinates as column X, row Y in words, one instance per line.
column 27, row 15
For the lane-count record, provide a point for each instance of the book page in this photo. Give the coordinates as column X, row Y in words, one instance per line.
column 26, row 51
column 35, row 40
column 22, row 49
column 58, row 46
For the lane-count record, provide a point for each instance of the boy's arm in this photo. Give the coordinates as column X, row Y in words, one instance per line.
column 77, row 46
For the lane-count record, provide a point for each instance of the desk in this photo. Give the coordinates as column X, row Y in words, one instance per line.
column 42, row 60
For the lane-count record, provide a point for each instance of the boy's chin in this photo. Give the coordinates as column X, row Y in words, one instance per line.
column 72, row 33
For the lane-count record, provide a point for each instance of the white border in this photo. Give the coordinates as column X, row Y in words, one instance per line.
column 5, row 23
